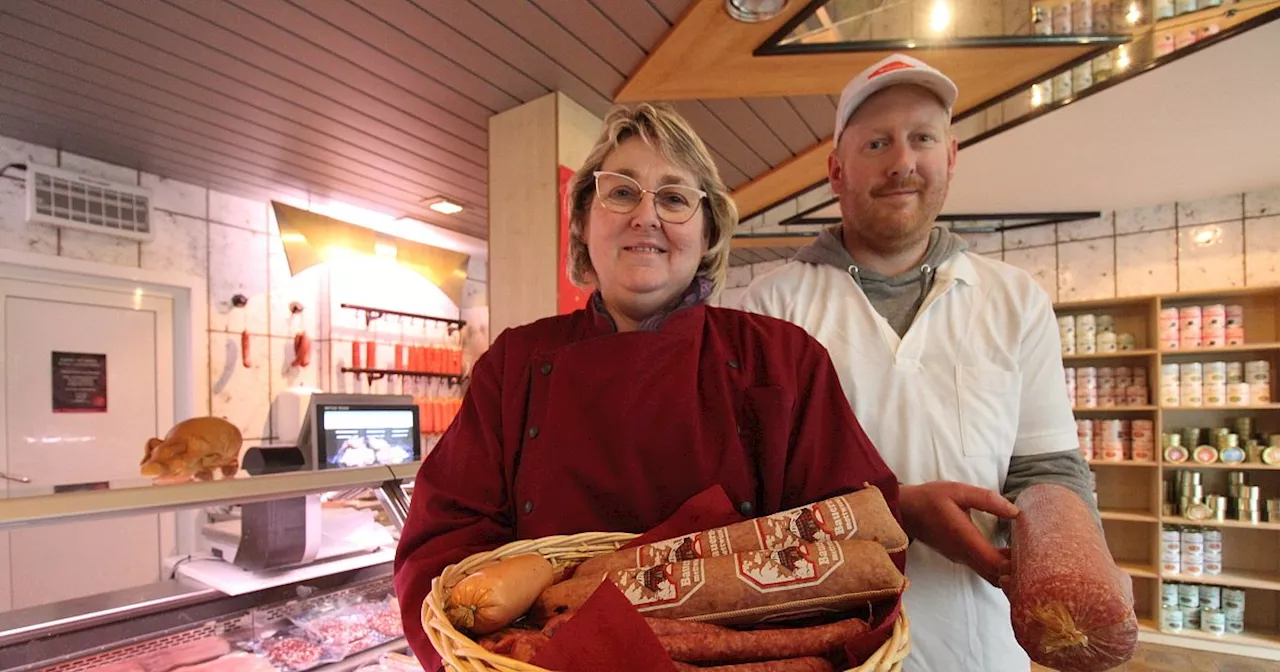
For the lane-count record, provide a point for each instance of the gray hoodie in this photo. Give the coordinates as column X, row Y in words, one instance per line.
column 899, row 298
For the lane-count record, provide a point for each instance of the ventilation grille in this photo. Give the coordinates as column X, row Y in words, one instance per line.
column 60, row 198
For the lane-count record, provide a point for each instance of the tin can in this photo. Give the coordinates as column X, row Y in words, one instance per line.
column 1191, row 338
column 1062, row 20
column 1210, row 597
column 1212, row 541
column 1215, row 315
column 1106, row 342
column 1190, row 316
column 1213, row 621
column 1214, row 372
column 1235, row 627
column 1169, row 595
column 1260, row 393
column 1170, row 562
column 1188, row 596
column 1171, row 619
column 1235, row 315
column 1257, row 371
column 1233, row 598
column 1235, row 335
column 1191, row 619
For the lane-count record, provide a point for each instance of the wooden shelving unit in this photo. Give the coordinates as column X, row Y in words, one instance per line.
column 1130, row 494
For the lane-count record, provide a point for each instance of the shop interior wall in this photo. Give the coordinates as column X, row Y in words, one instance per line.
column 235, row 244
column 1221, row 242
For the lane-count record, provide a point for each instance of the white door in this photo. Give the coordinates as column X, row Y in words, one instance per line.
column 88, row 378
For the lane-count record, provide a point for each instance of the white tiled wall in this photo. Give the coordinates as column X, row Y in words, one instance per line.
column 1215, row 243
column 235, row 244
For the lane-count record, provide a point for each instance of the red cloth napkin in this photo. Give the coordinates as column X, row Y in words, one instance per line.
column 706, row 510
column 607, row 634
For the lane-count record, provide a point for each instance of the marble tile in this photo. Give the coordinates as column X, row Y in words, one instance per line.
column 237, row 211
column 984, row 243
column 1032, row 236
column 1262, row 203
column 1041, row 262
column 241, row 395
column 107, row 171
column 1148, row 218
column 237, row 265
column 178, row 197
column 732, row 298
column 104, row 249
column 181, row 245
column 1210, row 256
column 1086, row 229
column 819, row 195
column 13, row 150
column 1087, row 270
column 1211, row 210
column 1147, row 263
column 739, row 276
column 763, row 267
column 474, row 294
column 1262, row 251
column 15, row 233
column 305, row 289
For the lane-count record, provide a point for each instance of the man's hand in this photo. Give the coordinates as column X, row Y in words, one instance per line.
column 937, row 514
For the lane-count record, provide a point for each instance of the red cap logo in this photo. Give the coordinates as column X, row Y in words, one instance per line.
column 890, row 67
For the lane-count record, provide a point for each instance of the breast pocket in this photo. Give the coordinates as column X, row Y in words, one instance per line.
column 988, row 402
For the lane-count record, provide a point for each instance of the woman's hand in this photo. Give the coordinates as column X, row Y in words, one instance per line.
column 937, row 514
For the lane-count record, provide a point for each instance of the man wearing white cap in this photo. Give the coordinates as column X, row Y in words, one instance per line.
column 951, row 360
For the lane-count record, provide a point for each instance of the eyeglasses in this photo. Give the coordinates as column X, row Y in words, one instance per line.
column 674, row 204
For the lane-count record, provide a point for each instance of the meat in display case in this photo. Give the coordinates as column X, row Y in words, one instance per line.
column 332, row 614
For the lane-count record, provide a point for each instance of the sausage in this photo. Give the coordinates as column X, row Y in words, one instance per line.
column 863, row 514
column 527, row 645
column 670, row 626
column 1071, row 607
column 494, row 597
column 789, row 665
column 301, row 350
column 745, row 588
column 749, row 646
column 553, row 626
column 244, row 349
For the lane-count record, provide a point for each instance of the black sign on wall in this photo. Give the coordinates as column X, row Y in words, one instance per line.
column 79, row 382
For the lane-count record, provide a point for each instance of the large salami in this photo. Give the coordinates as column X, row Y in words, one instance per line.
column 1072, row 608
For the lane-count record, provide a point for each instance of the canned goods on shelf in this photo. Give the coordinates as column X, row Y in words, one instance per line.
column 1171, row 619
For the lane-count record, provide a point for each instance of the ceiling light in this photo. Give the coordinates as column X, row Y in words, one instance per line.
column 443, row 205
column 754, row 11
column 1134, row 14
column 1122, row 59
column 940, row 17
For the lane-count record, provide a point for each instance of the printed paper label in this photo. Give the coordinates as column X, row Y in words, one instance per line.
column 661, row 586
column 831, row 520
column 709, row 544
column 789, row 568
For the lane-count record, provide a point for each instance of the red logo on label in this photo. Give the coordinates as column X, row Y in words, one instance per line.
column 890, row 67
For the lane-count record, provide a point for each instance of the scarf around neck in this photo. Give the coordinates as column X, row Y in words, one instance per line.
column 697, row 292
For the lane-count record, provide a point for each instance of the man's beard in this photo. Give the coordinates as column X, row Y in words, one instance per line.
column 887, row 229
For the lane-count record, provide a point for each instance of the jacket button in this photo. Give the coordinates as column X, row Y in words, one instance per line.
column 533, row 432
column 746, row 508
column 733, row 364
column 546, row 369
column 528, row 506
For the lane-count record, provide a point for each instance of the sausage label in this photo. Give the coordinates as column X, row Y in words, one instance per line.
column 789, row 568
column 661, row 586
column 830, row 520
column 712, row 543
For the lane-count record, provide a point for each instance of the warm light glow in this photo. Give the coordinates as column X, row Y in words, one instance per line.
column 337, row 252
column 1037, row 99
column 446, row 207
column 137, row 298
column 1206, row 235
column 940, row 17
column 384, row 250
column 1122, row 61
column 291, row 237
column 1134, row 14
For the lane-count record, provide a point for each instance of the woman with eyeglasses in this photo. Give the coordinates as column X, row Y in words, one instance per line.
column 610, row 418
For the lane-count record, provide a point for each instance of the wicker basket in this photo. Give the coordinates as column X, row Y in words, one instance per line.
column 461, row 654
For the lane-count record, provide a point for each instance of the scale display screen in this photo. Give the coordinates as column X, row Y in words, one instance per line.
column 365, row 436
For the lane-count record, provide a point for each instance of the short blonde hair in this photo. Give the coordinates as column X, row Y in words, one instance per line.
column 662, row 128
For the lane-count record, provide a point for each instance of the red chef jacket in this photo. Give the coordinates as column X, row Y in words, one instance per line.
column 571, row 427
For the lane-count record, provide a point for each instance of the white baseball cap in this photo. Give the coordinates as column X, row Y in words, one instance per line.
column 894, row 69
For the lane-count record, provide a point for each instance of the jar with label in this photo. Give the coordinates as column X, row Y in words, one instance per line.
column 1163, row 44
column 1233, row 598
column 1164, row 9
column 1082, row 17
column 1171, row 619
column 1169, row 595
column 1041, row 18
column 1205, row 4
column 1186, row 6
column 1061, row 92
column 1185, row 38
column 1213, row 621
column 1210, row 597
column 1101, row 18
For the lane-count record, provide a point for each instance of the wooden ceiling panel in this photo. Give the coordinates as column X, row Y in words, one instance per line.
column 672, row 9
column 439, row 37
column 731, row 176
column 781, row 118
column 467, row 19
column 596, row 32
column 818, row 113
column 640, row 20
column 750, row 128
column 714, row 132
column 259, row 132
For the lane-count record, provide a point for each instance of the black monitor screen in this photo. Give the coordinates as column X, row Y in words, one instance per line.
column 364, row 436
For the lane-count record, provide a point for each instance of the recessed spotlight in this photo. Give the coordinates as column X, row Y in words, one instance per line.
column 754, row 11
column 442, row 205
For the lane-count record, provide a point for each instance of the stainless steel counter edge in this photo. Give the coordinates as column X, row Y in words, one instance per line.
column 86, row 505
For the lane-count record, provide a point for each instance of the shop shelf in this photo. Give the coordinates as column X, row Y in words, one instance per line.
column 1130, row 515
column 1138, row 570
column 1232, row 578
column 1125, row 463
column 1253, row 644
column 1120, row 354
column 1250, row 407
column 1201, row 352
column 1243, row 466
column 1118, row 409
column 1236, row 524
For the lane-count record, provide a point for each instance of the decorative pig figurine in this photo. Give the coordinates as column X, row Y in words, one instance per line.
column 193, row 449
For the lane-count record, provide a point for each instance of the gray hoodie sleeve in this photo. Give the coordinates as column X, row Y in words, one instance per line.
column 1066, row 468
